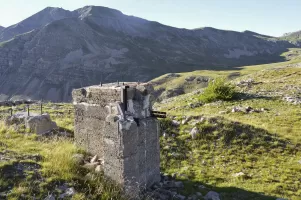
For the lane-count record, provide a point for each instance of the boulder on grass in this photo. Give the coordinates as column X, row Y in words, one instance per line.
column 40, row 124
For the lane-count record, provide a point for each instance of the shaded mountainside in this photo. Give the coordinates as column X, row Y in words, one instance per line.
column 62, row 50
column 1, row 28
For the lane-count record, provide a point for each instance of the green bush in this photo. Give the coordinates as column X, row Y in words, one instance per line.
column 218, row 89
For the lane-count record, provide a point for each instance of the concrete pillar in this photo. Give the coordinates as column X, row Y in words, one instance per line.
column 118, row 127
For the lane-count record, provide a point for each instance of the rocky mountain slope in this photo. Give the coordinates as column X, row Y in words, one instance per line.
column 1, row 28
column 37, row 20
column 59, row 50
column 294, row 38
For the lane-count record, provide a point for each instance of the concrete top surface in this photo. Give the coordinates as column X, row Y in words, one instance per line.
column 117, row 85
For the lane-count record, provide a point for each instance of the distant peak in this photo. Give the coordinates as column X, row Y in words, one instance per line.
column 98, row 11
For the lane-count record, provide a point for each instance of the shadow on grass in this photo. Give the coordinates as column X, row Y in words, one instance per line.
column 13, row 173
column 225, row 193
column 219, row 136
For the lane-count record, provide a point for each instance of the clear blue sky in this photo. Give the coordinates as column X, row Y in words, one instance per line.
column 271, row 17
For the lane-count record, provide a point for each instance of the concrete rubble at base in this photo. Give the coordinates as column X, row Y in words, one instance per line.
column 114, row 122
column 38, row 124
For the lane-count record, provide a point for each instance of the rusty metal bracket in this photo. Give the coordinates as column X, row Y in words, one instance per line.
column 158, row 114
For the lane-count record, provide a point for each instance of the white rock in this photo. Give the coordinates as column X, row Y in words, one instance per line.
column 90, row 166
column 94, row 159
column 238, row 174
column 70, row 191
column 212, row 196
column 50, row 197
column 40, row 124
column 175, row 123
column 194, row 132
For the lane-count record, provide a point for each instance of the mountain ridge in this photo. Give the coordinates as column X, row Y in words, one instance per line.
column 71, row 49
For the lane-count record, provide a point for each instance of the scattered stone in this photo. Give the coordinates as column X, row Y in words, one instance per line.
column 212, row 196
column 194, row 133
column 293, row 100
column 238, row 174
column 190, row 78
column 70, row 191
column 203, row 119
column 201, row 187
column 263, row 109
column 248, row 109
column 247, row 82
column 90, row 166
column 236, row 109
column 50, row 197
column 94, row 159
column 195, row 105
column 186, row 120
column 172, row 93
column 175, row 123
column 202, row 79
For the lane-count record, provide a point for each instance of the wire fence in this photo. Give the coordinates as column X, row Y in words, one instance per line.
column 32, row 109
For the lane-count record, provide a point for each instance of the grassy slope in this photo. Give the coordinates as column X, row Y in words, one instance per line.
column 264, row 146
column 47, row 162
column 168, row 82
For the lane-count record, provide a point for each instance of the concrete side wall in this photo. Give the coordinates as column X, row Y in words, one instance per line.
column 113, row 164
column 132, row 156
column 90, row 114
column 89, row 125
column 152, row 150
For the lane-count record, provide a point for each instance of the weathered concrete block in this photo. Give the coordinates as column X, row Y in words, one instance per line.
column 115, row 123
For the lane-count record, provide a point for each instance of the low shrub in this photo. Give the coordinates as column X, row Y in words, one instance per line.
column 218, row 89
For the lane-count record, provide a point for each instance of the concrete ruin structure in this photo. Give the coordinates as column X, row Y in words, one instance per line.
column 115, row 122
